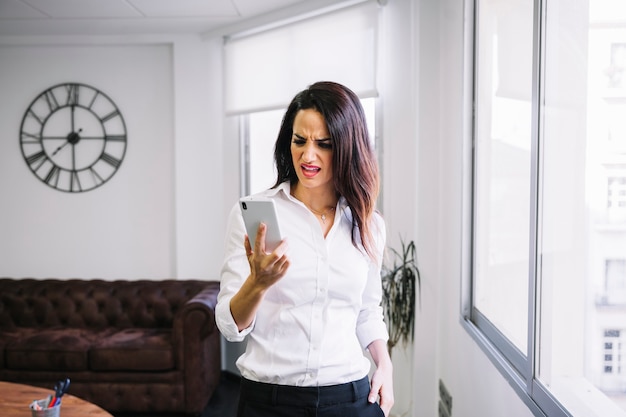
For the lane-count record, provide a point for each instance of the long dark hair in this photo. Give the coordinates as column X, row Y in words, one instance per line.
column 355, row 169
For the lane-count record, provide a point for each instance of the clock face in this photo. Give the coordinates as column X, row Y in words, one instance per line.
column 73, row 137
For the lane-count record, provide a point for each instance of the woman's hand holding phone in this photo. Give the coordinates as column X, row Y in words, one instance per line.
column 266, row 268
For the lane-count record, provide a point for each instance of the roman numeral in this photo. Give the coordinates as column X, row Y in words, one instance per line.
column 33, row 114
column 74, row 180
column 96, row 177
column 32, row 159
column 93, row 100
column 51, row 99
column 111, row 115
column 114, row 162
column 72, row 94
column 53, row 174
column 30, row 137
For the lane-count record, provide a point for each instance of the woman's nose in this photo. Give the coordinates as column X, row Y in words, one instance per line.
column 308, row 153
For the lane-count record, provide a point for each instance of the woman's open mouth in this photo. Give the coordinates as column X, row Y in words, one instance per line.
column 309, row 171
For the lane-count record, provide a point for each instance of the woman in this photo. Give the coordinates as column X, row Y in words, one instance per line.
column 310, row 307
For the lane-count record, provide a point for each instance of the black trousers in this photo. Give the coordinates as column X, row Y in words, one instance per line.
column 257, row 399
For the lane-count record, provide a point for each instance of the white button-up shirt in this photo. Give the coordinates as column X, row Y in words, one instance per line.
column 313, row 325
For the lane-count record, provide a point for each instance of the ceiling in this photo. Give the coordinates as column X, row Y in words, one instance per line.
column 120, row 17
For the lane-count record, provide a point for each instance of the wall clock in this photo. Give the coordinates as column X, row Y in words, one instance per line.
column 73, row 137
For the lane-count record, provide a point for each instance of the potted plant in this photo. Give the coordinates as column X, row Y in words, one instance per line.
column 401, row 283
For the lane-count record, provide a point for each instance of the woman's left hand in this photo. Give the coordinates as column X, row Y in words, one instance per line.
column 382, row 379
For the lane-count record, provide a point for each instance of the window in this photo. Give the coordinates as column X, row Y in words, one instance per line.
column 617, row 192
column 546, row 282
column 614, row 289
column 262, row 131
column 502, row 169
column 613, row 346
column 616, row 72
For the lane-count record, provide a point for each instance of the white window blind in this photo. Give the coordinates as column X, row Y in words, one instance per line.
column 265, row 70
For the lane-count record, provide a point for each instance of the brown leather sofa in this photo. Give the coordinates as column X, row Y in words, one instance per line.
column 127, row 346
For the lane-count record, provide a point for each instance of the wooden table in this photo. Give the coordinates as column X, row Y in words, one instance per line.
column 15, row 399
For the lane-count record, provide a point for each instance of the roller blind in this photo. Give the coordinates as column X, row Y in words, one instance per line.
column 265, row 70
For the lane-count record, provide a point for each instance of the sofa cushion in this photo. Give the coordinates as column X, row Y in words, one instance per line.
column 49, row 349
column 133, row 350
column 7, row 337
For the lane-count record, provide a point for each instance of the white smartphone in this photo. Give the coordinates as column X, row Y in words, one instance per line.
column 257, row 210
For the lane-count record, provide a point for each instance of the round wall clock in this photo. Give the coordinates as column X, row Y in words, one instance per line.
column 73, row 137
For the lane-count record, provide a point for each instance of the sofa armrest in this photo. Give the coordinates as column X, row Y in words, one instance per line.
column 197, row 347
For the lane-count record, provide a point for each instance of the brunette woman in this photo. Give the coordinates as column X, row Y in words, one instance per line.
column 312, row 307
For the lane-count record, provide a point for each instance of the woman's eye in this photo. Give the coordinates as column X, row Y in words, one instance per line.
column 298, row 142
column 326, row 145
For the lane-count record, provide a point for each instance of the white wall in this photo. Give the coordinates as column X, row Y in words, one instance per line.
column 397, row 82
column 154, row 217
column 199, row 162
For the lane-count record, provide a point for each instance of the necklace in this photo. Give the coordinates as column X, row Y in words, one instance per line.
column 323, row 215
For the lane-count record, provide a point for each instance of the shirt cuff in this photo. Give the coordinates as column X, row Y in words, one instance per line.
column 372, row 332
column 226, row 323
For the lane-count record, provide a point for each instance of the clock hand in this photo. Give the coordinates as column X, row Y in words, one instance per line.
column 60, row 147
column 72, row 138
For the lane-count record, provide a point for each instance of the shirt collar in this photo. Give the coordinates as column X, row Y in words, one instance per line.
column 285, row 189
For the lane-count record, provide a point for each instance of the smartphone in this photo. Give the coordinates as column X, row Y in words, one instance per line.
column 257, row 210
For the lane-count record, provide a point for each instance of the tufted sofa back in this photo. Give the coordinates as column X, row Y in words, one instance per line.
column 93, row 303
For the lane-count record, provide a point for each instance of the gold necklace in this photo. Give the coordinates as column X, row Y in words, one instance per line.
column 322, row 215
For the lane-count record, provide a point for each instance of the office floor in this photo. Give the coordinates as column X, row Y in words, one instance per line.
column 222, row 404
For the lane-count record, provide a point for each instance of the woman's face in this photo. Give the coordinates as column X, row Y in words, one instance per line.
column 311, row 150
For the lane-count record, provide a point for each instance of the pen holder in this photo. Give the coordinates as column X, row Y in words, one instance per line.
column 45, row 411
